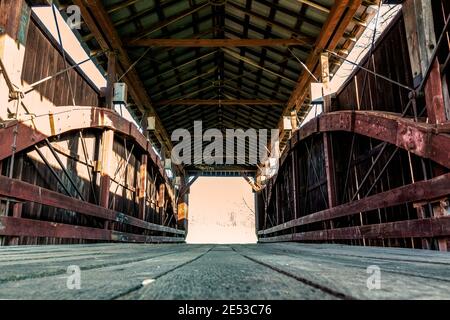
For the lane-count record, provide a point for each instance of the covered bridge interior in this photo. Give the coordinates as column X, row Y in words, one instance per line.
column 93, row 92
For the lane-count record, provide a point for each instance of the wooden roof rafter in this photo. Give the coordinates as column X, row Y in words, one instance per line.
column 100, row 24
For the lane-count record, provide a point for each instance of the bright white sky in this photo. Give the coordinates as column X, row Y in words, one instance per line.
column 221, row 210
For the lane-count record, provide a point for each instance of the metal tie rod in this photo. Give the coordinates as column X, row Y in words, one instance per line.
column 370, row 71
column 52, row 150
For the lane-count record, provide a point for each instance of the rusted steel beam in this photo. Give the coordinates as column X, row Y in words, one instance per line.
column 216, row 43
column 225, row 102
column 419, row 191
column 422, row 139
column 425, row 140
column 431, row 227
column 23, row 191
column 10, row 226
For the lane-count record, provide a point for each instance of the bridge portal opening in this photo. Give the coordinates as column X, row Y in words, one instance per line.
column 221, row 210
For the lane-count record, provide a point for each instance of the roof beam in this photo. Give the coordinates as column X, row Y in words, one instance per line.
column 215, row 43
column 270, row 22
column 333, row 30
column 210, row 71
column 99, row 23
column 169, row 21
column 255, row 64
column 226, row 102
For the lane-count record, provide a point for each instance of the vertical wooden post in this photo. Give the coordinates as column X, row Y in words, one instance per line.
column 143, row 187
column 17, row 207
column 111, row 79
column 325, row 73
column 294, row 183
column 439, row 210
column 419, row 26
column 183, row 213
column 161, row 201
column 433, row 95
column 327, row 142
column 330, row 170
column 106, row 168
column 421, row 215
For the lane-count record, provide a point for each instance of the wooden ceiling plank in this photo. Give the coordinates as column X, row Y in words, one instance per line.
column 214, row 43
column 225, row 102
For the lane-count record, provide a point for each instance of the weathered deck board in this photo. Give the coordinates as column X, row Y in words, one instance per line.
column 264, row 271
column 341, row 271
column 224, row 274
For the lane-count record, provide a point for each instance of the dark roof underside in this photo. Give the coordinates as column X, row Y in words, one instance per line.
column 220, row 73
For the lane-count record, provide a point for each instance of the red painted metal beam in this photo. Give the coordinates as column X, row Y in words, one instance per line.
column 35, row 130
column 419, row 191
column 23, row 191
column 428, row 141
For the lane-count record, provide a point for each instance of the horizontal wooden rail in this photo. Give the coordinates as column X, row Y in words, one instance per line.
column 22, row 191
column 419, row 191
column 431, row 227
column 10, row 226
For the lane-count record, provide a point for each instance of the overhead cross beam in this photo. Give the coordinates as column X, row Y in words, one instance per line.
column 219, row 42
column 226, row 102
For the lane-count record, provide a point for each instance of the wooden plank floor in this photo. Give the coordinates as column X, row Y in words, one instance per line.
column 263, row 271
